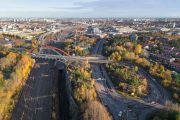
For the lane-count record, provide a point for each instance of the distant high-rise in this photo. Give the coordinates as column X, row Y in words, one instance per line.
column 174, row 25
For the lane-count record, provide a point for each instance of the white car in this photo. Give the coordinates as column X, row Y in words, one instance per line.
column 153, row 102
column 120, row 114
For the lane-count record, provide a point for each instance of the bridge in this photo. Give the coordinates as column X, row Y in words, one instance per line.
column 58, row 54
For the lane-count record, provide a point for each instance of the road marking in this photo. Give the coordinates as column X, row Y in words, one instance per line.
column 39, row 97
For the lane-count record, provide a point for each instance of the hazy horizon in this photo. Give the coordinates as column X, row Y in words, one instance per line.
column 90, row 8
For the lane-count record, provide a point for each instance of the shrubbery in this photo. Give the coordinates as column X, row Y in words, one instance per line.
column 10, row 86
column 128, row 80
column 83, row 84
column 80, row 47
column 122, row 49
column 85, row 94
column 94, row 110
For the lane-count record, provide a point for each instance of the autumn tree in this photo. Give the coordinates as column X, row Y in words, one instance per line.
column 94, row 110
column 129, row 46
column 138, row 49
column 8, row 61
column 15, row 82
column 115, row 56
column 34, row 42
column 167, row 75
column 1, row 37
column 1, row 78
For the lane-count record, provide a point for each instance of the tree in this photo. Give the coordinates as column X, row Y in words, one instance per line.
column 1, row 78
column 14, row 83
column 138, row 49
column 167, row 75
column 129, row 46
column 136, row 68
column 165, row 83
column 8, row 61
column 34, row 42
column 1, row 37
column 130, row 56
column 177, row 78
column 115, row 56
column 145, row 63
column 94, row 110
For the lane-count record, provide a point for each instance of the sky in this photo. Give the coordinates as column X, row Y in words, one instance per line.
column 89, row 8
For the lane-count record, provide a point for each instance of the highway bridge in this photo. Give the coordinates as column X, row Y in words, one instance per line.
column 53, row 53
column 71, row 58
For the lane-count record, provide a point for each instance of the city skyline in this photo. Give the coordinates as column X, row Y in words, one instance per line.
column 90, row 8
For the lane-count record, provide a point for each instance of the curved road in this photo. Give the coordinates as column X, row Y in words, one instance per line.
column 116, row 102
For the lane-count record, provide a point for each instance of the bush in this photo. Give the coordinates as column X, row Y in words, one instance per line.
column 10, row 88
column 94, row 110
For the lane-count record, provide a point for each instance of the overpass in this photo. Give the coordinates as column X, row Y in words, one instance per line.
column 53, row 53
column 71, row 58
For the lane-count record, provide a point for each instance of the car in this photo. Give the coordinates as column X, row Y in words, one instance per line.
column 153, row 102
column 120, row 113
column 130, row 110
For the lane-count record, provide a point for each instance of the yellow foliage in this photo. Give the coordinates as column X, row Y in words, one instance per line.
column 130, row 56
column 119, row 48
column 78, row 48
column 92, row 82
column 90, row 94
column 138, row 49
column 166, row 83
column 34, row 42
column 167, row 75
column 14, row 84
column 143, row 62
column 115, row 56
column 1, row 75
column 12, row 55
column 85, row 73
column 129, row 46
column 94, row 110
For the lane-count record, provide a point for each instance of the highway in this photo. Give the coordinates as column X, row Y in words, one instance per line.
column 36, row 100
column 116, row 102
column 108, row 98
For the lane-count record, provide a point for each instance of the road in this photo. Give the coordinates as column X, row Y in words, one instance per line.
column 114, row 101
column 156, row 92
column 108, row 98
column 36, row 100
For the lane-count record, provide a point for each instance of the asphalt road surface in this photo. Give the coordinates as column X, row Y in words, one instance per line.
column 116, row 102
column 37, row 96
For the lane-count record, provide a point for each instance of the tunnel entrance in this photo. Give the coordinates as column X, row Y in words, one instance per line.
column 63, row 96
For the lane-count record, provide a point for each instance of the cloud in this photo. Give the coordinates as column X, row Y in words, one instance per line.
column 67, row 8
